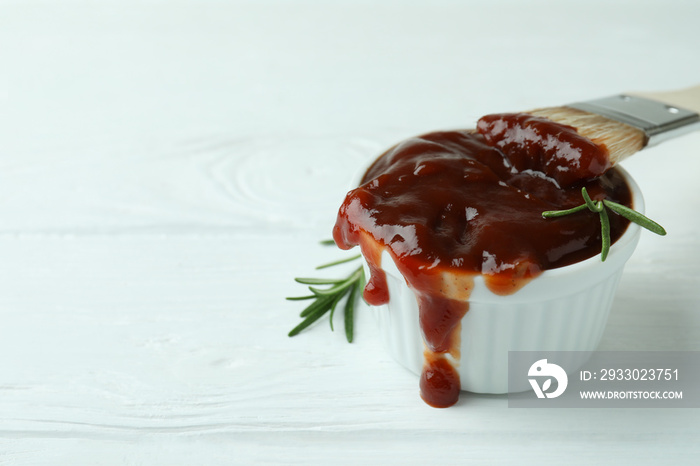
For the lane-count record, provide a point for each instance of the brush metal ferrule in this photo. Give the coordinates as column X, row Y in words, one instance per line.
column 659, row 121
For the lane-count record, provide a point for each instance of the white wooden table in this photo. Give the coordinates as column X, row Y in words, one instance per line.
column 166, row 168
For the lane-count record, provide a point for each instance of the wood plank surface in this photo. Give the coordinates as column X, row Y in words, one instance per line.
column 166, row 168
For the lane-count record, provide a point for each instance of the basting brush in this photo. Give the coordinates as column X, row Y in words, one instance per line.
column 581, row 141
column 628, row 123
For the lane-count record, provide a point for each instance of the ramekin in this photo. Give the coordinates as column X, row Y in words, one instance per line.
column 563, row 309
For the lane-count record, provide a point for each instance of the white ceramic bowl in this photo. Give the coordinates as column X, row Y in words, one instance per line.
column 563, row 309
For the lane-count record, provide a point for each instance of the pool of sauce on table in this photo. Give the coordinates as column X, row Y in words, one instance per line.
column 470, row 202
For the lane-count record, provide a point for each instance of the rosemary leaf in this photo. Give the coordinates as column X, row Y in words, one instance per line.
column 319, row 281
column 589, row 202
column 604, row 232
column 340, row 287
column 599, row 207
column 334, row 304
column 349, row 311
column 321, row 301
column 327, row 242
column 310, row 319
column 361, row 283
column 300, row 298
column 341, row 261
column 561, row 213
column 636, row 217
column 328, row 299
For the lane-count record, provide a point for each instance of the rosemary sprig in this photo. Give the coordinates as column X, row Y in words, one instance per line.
column 327, row 299
column 600, row 208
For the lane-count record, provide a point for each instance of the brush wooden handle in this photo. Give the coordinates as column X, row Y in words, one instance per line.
column 688, row 99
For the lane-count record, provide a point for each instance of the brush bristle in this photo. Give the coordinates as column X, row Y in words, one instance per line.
column 620, row 139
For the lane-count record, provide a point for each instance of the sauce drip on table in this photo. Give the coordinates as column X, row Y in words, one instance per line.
column 465, row 203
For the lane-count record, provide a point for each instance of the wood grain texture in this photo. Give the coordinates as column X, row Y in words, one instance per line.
column 165, row 170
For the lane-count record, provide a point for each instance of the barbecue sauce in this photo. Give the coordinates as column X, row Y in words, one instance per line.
column 535, row 143
column 466, row 203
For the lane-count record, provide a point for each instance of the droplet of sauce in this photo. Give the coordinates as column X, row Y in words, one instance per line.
column 449, row 206
column 439, row 381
